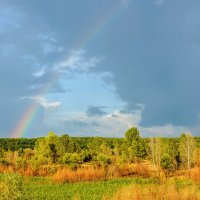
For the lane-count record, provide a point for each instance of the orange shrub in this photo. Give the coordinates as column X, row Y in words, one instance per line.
column 131, row 170
column 99, row 173
column 8, row 169
column 81, row 174
column 195, row 174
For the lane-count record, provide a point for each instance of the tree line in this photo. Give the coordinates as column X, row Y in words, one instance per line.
column 168, row 154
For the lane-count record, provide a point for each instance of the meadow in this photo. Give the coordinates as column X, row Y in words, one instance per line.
column 44, row 189
column 115, row 189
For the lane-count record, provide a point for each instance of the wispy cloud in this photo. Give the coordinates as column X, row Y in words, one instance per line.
column 10, row 19
column 40, row 73
column 168, row 130
column 49, row 48
column 77, row 61
column 50, row 37
column 44, row 102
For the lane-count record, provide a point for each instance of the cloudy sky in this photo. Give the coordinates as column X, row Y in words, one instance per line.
column 99, row 67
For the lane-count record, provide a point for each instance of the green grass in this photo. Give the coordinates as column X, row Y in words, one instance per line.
column 38, row 188
column 43, row 188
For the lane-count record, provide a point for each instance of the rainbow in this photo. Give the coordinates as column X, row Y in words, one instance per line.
column 104, row 21
column 25, row 121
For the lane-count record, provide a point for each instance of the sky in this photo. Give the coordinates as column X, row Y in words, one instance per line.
column 98, row 68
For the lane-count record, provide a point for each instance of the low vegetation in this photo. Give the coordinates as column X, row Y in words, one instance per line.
column 82, row 168
column 166, row 191
column 11, row 186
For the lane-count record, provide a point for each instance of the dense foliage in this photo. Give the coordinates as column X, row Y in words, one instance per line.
column 168, row 154
column 14, row 144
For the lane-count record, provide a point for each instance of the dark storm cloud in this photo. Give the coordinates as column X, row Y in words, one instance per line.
column 131, row 108
column 157, row 61
column 79, row 127
column 151, row 55
column 96, row 111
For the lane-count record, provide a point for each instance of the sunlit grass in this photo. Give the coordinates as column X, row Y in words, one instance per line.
column 42, row 188
column 176, row 190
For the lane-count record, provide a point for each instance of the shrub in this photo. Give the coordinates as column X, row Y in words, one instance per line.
column 81, row 174
column 167, row 163
column 103, row 159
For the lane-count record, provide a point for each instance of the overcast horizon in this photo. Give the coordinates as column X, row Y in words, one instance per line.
column 98, row 68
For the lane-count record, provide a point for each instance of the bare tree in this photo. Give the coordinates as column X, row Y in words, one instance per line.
column 187, row 150
column 155, row 153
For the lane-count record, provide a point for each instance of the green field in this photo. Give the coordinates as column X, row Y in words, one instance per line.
column 43, row 188
column 15, row 187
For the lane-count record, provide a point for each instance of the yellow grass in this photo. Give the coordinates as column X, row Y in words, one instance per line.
column 156, row 192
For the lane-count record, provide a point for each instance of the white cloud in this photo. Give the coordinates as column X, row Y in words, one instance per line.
column 163, row 131
column 50, row 37
column 40, row 73
column 117, row 123
column 77, row 61
column 36, row 86
column 49, row 43
column 44, row 102
column 49, row 48
column 112, row 124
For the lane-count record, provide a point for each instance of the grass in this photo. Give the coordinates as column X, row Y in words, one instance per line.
column 115, row 189
column 35, row 188
column 43, row 188
column 165, row 191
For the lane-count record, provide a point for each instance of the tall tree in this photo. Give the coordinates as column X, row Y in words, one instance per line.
column 170, row 155
column 132, row 135
column 134, row 144
column 64, row 143
column 47, row 149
